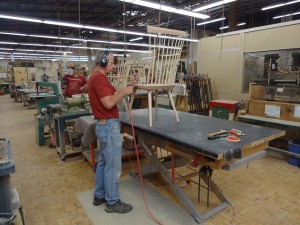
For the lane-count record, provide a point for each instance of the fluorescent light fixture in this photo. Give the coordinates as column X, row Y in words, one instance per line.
column 45, row 51
column 211, row 21
column 136, row 39
column 20, row 18
column 222, row 28
column 65, row 24
column 83, row 40
column 22, row 53
column 225, row 27
column 72, row 39
column 64, row 46
column 166, row 8
column 8, row 43
column 43, row 36
column 16, row 34
column 131, row 32
column 279, row 5
column 291, row 14
column 25, row 50
column 272, row 6
column 57, row 46
column 100, row 28
column 212, row 5
column 31, row 44
column 80, row 26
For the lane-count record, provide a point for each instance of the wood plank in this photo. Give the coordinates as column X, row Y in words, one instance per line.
column 257, row 92
column 151, row 29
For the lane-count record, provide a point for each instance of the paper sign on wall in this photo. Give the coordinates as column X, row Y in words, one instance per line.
column 272, row 110
column 297, row 111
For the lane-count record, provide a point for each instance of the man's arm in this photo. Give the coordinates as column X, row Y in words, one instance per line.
column 110, row 101
column 84, row 87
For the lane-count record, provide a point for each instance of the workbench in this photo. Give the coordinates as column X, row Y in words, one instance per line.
column 59, row 130
column 188, row 140
column 24, row 96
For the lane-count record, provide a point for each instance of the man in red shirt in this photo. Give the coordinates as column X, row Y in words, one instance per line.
column 76, row 83
column 103, row 99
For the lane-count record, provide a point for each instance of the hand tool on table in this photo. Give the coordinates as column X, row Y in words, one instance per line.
column 221, row 133
column 236, row 132
column 234, row 135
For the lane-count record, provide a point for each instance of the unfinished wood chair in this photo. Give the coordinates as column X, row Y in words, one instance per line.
column 158, row 71
column 120, row 79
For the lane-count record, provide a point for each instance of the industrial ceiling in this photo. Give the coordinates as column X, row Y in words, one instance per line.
column 120, row 15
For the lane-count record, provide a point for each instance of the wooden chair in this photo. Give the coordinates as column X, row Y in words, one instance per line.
column 120, row 79
column 158, row 71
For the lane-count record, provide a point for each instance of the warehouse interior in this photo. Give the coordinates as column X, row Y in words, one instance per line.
column 209, row 130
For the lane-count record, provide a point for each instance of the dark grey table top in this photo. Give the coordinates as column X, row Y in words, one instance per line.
column 192, row 130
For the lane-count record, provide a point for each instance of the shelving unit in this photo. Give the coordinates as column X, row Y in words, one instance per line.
column 264, row 110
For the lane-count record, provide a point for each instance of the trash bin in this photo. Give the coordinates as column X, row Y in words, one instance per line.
column 294, row 146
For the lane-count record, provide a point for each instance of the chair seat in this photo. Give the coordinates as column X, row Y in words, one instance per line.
column 151, row 87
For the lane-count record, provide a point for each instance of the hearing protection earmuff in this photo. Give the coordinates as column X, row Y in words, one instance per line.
column 103, row 60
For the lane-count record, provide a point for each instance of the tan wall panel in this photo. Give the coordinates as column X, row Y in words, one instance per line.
column 272, row 39
column 234, row 46
column 20, row 75
column 222, row 69
column 223, row 65
column 215, row 44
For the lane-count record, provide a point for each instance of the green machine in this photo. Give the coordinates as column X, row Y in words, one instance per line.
column 54, row 116
column 44, row 118
column 46, row 98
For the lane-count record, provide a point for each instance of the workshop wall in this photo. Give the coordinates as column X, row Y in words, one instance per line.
column 27, row 74
column 222, row 57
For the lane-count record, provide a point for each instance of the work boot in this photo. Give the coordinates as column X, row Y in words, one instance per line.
column 98, row 201
column 118, row 207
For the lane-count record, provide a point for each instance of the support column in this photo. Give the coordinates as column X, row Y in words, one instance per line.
column 233, row 15
column 90, row 61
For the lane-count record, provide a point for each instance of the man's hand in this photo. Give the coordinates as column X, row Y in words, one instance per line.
column 83, row 88
column 127, row 90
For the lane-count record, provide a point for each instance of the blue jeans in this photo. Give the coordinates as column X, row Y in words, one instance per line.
column 109, row 164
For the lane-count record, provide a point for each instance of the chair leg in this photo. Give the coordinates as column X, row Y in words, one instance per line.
column 173, row 105
column 150, row 107
column 132, row 98
column 125, row 104
column 156, row 104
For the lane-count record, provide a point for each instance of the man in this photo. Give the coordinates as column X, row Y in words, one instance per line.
column 76, row 83
column 103, row 99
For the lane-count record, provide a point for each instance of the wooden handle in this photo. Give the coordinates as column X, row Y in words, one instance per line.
column 216, row 134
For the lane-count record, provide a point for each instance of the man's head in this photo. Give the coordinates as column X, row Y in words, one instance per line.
column 76, row 70
column 105, row 61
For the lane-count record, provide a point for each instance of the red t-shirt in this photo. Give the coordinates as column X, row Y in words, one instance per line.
column 98, row 88
column 73, row 84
